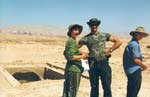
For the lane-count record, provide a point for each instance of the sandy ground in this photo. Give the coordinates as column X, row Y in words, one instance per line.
column 25, row 49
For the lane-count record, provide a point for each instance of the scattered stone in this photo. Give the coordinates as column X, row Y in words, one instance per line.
column 148, row 47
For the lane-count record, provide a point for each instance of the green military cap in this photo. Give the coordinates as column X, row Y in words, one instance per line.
column 94, row 21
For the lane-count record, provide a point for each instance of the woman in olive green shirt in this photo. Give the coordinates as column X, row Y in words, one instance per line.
column 73, row 67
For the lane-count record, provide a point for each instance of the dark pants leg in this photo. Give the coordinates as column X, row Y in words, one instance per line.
column 94, row 81
column 105, row 74
column 134, row 83
column 103, row 70
column 71, row 84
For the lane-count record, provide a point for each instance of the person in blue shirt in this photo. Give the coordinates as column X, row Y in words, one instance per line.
column 132, row 62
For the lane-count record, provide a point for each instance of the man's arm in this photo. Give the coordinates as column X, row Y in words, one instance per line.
column 139, row 62
column 79, row 45
column 82, row 41
column 116, row 41
column 117, row 44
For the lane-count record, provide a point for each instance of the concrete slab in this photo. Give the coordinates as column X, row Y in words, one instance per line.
column 7, row 80
column 34, row 72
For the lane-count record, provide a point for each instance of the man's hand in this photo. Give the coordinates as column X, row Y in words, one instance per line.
column 107, row 52
column 148, row 67
column 144, row 68
column 84, row 55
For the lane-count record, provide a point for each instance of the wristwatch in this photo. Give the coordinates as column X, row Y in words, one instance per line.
column 110, row 50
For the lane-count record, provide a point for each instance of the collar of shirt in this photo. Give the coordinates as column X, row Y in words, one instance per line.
column 96, row 33
column 134, row 39
column 72, row 38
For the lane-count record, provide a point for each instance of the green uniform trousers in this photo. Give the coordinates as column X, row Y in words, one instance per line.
column 71, row 84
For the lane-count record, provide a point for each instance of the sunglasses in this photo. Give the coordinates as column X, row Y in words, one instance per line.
column 93, row 24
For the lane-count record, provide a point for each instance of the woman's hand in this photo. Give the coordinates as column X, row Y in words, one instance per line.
column 84, row 55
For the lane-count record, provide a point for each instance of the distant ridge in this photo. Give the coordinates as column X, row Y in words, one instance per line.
column 121, row 34
column 36, row 30
column 48, row 31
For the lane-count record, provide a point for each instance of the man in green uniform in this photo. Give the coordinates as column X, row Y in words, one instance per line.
column 73, row 68
column 98, row 57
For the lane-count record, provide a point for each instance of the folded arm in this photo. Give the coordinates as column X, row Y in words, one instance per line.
column 117, row 44
column 116, row 41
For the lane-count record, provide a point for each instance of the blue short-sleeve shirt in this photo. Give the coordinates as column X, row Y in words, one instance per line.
column 131, row 52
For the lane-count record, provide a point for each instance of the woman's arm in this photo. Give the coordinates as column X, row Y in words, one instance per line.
column 82, row 56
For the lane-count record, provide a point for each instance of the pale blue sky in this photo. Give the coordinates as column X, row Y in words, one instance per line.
column 116, row 15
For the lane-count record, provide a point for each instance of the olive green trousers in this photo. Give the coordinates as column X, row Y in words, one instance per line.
column 71, row 84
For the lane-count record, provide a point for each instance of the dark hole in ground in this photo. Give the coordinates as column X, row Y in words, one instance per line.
column 53, row 75
column 26, row 77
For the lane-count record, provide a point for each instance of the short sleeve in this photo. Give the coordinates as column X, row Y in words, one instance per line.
column 136, row 51
column 107, row 35
column 83, row 41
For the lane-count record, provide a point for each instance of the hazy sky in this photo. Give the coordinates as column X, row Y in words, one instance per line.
column 116, row 15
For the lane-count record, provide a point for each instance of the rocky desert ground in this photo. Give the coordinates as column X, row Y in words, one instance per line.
column 30, row 49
